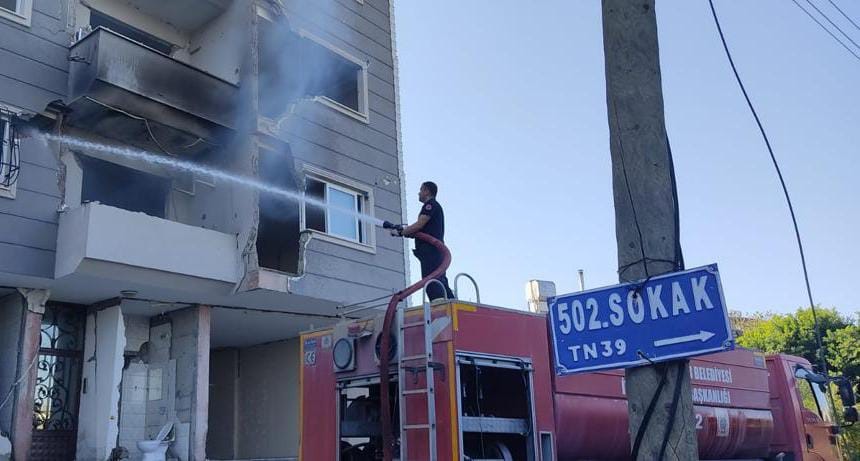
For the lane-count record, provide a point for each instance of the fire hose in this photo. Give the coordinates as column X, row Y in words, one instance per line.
column 385, row 339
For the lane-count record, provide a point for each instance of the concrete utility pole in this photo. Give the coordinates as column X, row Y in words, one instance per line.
column 646, row 212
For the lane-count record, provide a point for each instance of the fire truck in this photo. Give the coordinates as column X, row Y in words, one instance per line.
column 468, row 381
column 494, row 395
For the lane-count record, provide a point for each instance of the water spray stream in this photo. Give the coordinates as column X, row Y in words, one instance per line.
column 191, row 167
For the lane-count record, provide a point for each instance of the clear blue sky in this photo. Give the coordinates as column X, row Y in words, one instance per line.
column 503, row 105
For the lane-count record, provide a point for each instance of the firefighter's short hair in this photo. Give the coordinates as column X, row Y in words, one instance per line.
column 430, row 186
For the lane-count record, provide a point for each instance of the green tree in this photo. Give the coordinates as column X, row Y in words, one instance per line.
column 793, row 333
column 843, row 351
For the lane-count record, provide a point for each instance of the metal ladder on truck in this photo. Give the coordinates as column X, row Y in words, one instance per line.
column 407, row 371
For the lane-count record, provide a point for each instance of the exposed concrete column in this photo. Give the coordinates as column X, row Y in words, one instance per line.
column 190, row 349
column 22, row 419
column 104, row 344
column 200, row 404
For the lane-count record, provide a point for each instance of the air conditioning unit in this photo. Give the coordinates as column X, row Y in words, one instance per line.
column 348, row 338
column 343, row 354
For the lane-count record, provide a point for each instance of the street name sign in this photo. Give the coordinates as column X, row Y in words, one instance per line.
column 661, row 318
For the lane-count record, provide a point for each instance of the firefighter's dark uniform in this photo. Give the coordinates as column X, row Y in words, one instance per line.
column 427, row 254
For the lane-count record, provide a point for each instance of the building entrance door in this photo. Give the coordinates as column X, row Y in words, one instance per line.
column 58, row 384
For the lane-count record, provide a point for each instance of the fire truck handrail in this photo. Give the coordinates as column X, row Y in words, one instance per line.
column 427, row 285
column 474, row 284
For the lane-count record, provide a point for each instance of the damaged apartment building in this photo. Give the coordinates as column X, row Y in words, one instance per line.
column 141, row 302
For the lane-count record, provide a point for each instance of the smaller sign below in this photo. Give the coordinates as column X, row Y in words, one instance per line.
column 667, row 317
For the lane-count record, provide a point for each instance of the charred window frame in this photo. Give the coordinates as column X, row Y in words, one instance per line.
column 297, row 65
column 341, row 227
column 10, row 154
column 19, row 11
column 349, row 67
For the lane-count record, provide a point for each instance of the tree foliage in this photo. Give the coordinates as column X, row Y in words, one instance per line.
column 795, row 334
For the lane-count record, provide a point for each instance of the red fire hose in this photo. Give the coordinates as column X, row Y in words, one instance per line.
column 385, row 342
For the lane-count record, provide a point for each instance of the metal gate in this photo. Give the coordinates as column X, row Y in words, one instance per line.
column 58, row 381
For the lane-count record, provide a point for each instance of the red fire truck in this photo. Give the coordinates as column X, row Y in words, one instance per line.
column 485, row 389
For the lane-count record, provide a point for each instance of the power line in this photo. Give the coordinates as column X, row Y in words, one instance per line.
column 843, row 14
column 824, row 28
column 817, row 331
column 836, row 26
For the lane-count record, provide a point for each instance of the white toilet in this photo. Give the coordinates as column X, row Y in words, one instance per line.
column 156, row 449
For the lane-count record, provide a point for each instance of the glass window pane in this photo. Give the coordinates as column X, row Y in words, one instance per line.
column 342, row 222
column 10, row 5
column 63, row 328
column 823, row 402
column 807, row 398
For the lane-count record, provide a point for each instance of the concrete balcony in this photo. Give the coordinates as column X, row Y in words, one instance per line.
column 102, row 249
column 112, row 77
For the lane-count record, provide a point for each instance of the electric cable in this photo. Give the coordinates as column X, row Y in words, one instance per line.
column 136, row 117
column 19, row 381
column 835, row 26
column 678, row 263
column 817, row 331
column 649, row 412
column 843, row 14
column 819, row 24
column 676, row 397
column 629, row 195
column 358, row 303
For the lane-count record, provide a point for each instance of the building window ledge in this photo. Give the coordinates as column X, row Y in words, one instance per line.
column 341, row 241
column 361, row 117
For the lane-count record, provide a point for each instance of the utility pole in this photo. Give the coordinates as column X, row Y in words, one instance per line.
column 646, row 214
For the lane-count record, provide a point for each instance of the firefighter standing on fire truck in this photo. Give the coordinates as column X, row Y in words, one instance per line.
column 431, row 221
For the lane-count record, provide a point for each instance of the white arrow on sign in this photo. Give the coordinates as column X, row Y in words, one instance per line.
column 701, row 336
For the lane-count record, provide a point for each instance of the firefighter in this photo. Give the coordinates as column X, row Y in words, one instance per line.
column 431, row 221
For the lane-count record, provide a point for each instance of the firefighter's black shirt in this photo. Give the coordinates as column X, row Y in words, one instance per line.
column 435, row 227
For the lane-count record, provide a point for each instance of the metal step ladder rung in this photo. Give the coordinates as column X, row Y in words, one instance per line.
column 409, row 358
column 412, row 325
column 407, row 368
column 423, row 390
column 411, row 427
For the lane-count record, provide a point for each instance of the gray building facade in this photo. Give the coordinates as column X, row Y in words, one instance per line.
column 184, row 187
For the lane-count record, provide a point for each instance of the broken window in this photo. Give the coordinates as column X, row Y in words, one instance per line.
column 123, row 187
column 9, row 154
column 335, row 210
column 295, row 67
column 278, row 231
column 99, row 19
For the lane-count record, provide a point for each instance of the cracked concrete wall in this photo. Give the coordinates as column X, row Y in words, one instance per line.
column 132, row 416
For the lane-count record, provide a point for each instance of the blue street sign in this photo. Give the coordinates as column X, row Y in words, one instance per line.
column 666, row 317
